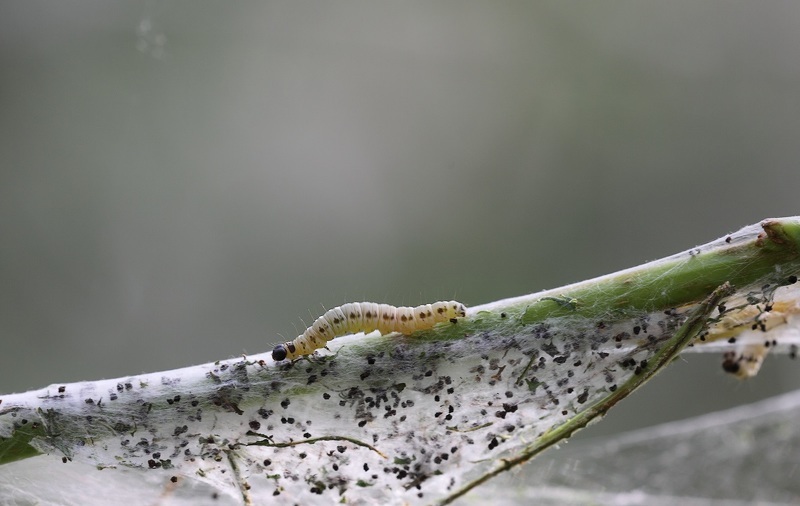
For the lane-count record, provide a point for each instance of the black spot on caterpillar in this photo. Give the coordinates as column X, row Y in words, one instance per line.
column 366, row 317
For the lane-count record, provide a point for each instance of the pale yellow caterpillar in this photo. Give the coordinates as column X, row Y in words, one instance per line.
column 366, row 317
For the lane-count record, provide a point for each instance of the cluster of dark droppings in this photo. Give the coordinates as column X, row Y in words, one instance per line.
column 746, row 359
column 488, row 387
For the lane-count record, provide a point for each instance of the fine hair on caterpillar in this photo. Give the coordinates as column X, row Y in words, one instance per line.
column 367, row 317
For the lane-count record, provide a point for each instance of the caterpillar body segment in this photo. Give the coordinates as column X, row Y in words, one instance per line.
column 367, row 317
column 386, row 318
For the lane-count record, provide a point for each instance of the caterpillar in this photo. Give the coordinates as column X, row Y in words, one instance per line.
column 366, row 317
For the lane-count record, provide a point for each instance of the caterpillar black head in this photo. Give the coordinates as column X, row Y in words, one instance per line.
column 279, row 352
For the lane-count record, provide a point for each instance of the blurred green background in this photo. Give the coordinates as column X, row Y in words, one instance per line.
column 182, row 181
